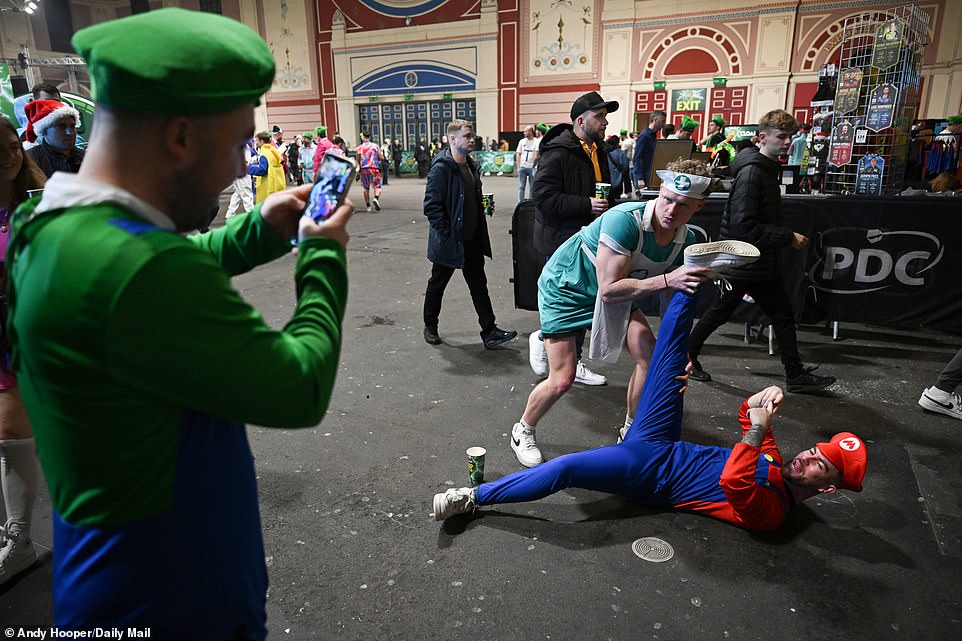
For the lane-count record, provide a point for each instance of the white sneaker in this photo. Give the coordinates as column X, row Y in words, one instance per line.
column 537, row 355
column 721, row 254
column 17, row 554
column 453, row 502
column 935, row 400
column 585, row 376
column 377, row 204
column 368, row 208
column 525, row 447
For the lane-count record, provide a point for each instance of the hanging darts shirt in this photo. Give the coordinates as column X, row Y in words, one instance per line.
column 139, row 365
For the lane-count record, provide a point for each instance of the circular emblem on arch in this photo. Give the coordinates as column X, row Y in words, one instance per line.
column 682, row 183
column 402, row 8
column 411, row 79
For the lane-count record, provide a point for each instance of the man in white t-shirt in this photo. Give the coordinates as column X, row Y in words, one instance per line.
column 526, row 159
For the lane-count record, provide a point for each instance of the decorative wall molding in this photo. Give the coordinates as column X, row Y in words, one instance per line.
column 415, row 76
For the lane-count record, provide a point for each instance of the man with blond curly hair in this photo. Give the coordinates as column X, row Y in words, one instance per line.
column 596, row 278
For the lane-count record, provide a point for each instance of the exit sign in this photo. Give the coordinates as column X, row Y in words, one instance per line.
column 372, row 99
column 447, row 96
column 659, row 85
column 409, row 96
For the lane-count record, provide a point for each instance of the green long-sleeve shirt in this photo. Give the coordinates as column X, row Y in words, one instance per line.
column 118, row 326
column 139, row 365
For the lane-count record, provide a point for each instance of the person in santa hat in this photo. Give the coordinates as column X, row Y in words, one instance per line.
column 54, row 124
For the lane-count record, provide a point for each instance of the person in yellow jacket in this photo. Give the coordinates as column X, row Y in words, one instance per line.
column 267, row 169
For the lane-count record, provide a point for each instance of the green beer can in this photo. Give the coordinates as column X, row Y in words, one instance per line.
column 487, row 203
column 476, row 465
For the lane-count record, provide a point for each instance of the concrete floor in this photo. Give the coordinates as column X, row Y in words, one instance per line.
column 354, row 553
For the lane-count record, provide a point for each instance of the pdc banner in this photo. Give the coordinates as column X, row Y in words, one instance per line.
column 870, row 263
column 868, row 260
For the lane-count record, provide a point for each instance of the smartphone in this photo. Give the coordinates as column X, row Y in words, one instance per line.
column 332, row 179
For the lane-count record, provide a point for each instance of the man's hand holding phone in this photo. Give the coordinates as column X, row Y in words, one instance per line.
column 334, row 226
column 325, row 214
column 282, row 210
column 284, row 213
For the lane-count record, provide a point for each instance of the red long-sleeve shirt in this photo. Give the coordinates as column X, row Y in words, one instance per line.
column 755, row 496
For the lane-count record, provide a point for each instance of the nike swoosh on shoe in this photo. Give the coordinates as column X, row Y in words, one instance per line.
column 947, row 406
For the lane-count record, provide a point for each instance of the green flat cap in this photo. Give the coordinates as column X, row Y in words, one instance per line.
column 320, row 130
column 174, row 61
column 718, row 120
column 308, row 134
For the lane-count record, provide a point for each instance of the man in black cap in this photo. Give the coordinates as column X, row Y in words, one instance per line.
column 572, row 160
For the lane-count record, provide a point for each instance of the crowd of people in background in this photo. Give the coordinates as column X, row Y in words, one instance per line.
column 620, row 248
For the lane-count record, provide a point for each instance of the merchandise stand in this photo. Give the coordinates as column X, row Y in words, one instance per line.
column 887, row 48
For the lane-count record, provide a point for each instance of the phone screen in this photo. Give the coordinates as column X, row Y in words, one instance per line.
column 332, row 179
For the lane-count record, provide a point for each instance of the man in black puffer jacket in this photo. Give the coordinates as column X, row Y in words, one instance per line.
column 572, row 158
column 564, row 186
column 754, row 215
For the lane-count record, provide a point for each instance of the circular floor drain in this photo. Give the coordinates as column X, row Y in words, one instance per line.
column 651, row 549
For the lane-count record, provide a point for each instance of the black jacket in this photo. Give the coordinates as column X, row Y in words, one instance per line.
column 563, row 187
column 421, row 153
column 444, row 206
column 50, row 160
column 754, row 213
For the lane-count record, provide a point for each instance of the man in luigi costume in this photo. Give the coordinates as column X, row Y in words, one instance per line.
column 716, row 135
column 686, row 129
column 138, row 362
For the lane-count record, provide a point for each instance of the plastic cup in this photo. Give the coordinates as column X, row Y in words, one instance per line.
column 487, row 204
column 476, row 465
column 602, row 190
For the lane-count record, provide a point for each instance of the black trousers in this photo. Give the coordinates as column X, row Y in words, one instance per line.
column 951, row 376
column 397, row 168
column 771, row 297
column 473, row 272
